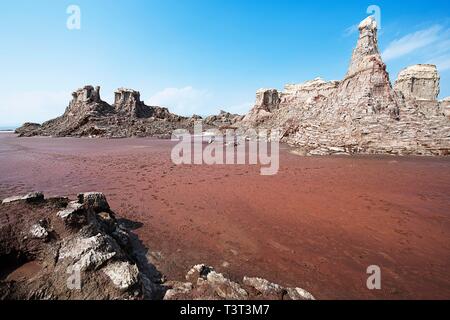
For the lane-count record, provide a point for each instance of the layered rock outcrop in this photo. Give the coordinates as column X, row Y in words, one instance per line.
column 267, row 101
column 28, row 127
column 362, row 113
column 305, row 92
column 366, row 88
column 88, row 115
column 420, row 82
column 221, row 120
column 128, row 102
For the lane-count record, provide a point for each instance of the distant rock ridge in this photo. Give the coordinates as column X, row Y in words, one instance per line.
column 362, row 113
column 89, row 116
column 223, row 119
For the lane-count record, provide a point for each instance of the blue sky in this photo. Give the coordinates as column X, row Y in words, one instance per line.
column 199, row 56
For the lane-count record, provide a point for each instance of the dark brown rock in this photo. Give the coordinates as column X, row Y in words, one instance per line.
column 41, row 256
column 89, row 116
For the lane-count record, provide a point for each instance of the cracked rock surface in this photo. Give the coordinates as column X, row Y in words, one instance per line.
column 60, row 249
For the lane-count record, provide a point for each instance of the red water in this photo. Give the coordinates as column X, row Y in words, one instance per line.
column 317, row 224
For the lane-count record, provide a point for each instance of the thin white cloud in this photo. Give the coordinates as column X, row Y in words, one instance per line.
column 442, row 62
column 442, row 46
column 351, row 30
column 32, row 106
column 242, row 108
column 412, row 42
column 183, row 101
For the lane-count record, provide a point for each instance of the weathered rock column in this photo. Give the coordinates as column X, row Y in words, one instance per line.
column 128, row 101
column 268, row 99
column 420, row 82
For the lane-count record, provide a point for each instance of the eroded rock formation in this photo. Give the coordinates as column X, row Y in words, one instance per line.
column 87, row 101
column 128, row 102
column 61, row 249
column 361, row 113
column 88, row 115
column 420, row 82
column 305, row 92
column 267, row 101
column 366, row 88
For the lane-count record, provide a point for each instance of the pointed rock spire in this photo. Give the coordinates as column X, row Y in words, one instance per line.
column 366, row 88
column 366, row 50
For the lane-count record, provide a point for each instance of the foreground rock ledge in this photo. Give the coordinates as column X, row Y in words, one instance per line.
column 205, row 283
column 59, row 248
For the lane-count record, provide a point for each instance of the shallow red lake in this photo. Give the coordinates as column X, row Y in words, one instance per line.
column 317, row 224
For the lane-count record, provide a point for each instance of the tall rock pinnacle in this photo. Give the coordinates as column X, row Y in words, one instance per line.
column 366, row 48
column 366, row 88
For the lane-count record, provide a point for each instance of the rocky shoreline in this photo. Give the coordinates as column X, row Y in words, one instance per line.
column 58, row 248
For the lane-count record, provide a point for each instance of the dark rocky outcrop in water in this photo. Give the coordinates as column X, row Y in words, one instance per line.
column 89, row 116
column 61, row 249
